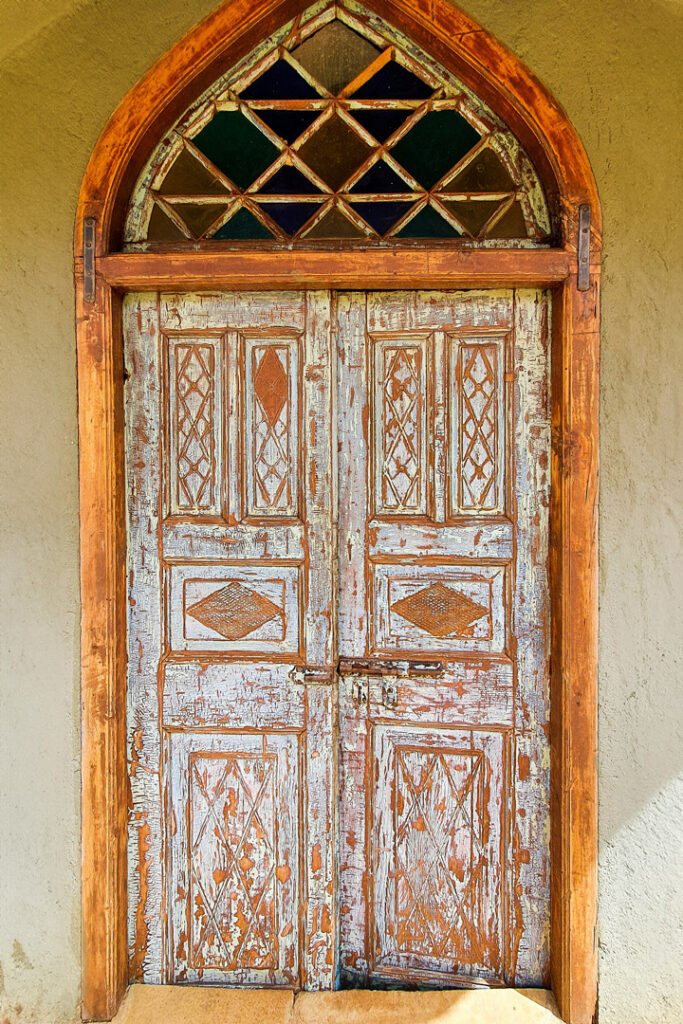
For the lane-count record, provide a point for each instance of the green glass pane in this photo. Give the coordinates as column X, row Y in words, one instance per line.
column 473, row 215
column 435, row 144
column 199, row 216
column 428, row 223
column 483, row 174
column 511, row 224
column 335, row 225
column 335, row 55
column 334, row 152
column 236, row 147
column 243, row 224
column 187, row 177
column 162, row 229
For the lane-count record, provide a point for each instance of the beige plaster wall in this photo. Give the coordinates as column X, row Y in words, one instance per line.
column 615, row 66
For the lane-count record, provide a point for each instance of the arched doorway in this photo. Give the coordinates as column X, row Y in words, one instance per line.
column 288, row 201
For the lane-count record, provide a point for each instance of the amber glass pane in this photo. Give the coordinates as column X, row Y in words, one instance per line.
column 199, row 216
column 473, row 214
column 289, row 180
column 381, row 178
column 435, row 144
column 245, row 225
column 393, row 82
column 290, row 216
column 381, row 123
column 335, row 55
column 483, row 174
column 428, row 223
column 335, row 225
column 162, row 229
column 187, row 177
column 511, row 224
column 288, row 124
column 236, row 147
column 334, row 152
column 382, row 216
column 279, row 82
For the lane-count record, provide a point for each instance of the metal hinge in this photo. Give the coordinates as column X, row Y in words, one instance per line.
column 584, row 248
column 89, row 259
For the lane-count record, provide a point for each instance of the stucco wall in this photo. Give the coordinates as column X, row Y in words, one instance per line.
column 615, row 66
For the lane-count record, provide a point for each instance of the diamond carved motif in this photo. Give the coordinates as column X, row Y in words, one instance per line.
column 439, row 610
column 234, row 611
column 270, row 385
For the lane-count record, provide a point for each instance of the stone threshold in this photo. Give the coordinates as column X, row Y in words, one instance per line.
column 180, row 1004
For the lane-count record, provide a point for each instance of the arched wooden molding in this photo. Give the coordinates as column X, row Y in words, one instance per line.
column 148, row 110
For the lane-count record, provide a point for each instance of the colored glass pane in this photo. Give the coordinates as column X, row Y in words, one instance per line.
column 334, row 152
column 381, row 216
column 280, row 81
column 243, row 225
column 511, row 225
column 380, row 123
column 335, row 225
column 199, row 216
column 289, row 180
column 335, row 55
column 393, row 82
column 290, row 216
column 435, row 144
column 473, row 214
column 187, row 177
column 236, row 147
column 288, row 124
column 381, row 178
column 162, row 229
column 428, row 223
column 485, row 173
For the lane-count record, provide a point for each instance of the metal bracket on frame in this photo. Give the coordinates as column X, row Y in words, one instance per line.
column 89, row 259
column 584, row 248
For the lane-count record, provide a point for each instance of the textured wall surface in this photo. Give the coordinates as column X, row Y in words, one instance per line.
column 615, row 66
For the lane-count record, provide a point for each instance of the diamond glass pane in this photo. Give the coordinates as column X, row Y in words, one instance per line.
column 187, row 177
column 428, row 223
column 334, row 152
column 434, row 145
column 394, row 82
column 280, row 80
column 236, row 147
column 335, row 55
column 243, row 225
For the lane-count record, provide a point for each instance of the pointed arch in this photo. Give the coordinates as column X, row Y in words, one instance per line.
column 102, row 272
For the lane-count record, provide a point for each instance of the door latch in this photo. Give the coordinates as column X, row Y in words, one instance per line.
column 310, row 675
column 388, row 667
column 389, row 694
column 359, row 693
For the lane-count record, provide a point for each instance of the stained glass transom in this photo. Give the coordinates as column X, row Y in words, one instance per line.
column 338, row 127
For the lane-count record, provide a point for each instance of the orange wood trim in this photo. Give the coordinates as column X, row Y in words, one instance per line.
column 381, row 268
column 103, row 654
column 142, row 117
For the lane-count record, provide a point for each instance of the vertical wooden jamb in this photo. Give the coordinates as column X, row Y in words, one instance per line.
column 574, row 574
column 103, row 652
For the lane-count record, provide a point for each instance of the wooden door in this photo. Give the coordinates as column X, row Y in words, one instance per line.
column 443, row 637
column 231, row 586
column 338, row 679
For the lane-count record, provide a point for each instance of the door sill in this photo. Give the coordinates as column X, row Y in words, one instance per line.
column 180, row 1004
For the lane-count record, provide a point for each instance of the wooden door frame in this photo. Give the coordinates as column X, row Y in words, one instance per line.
column 145, row 113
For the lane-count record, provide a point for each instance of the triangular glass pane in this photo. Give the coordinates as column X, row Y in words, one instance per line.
column 335, row 55
column 473, row 214
column 485, row 173
column 335, row 152
column 290, row 216
column 381, row 178
column 335, row 225
column 162, row 229
column 381, row 123
column 236, row 147
column 428, row 223
column 199, row 216
column 393, row 82
column 289, row 181
column 243, row 224
column 288, row 124
column 279, row 82
column 187, row 177
column 511, row 224
column 382, row 216
column 435, row 144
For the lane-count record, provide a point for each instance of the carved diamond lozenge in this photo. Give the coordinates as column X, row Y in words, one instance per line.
column 234, row 611
column 439, row 610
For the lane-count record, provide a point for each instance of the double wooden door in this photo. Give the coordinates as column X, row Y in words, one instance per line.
column 338, row 637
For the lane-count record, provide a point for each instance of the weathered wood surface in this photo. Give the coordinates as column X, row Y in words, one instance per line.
column 434, row 365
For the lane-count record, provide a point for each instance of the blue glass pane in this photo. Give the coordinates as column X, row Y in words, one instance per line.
column 288, row 124
column 289, row 180
column 279, row 82
column 381, row 123
column 290, row 216
column 382, row 216
column 393, row 82
column 381, row 178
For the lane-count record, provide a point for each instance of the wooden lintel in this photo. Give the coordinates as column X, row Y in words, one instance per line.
column 384, row 268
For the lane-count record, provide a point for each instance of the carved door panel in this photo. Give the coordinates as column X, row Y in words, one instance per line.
column 228, row 416
column 443, row 638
